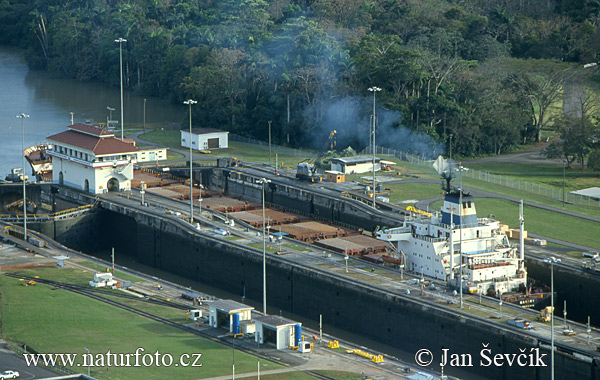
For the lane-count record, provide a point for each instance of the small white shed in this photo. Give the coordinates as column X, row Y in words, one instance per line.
column 279, row 331
column 356, row 164
column 228, row 314
column 205, row 138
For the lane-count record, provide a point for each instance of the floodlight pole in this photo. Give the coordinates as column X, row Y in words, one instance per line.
column 189, row 102
column 23, row 116
column 263, row 181
column 374, row 90
column 120, row 41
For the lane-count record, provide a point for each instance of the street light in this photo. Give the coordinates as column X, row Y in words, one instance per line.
column 564, row 175
column 189, row 102
column 270, row 144
column 23, row 116
column 144, row 117
column 90, row 359
column 120, row 41
column 262, row 181
column 374, row 90
column 552, row 260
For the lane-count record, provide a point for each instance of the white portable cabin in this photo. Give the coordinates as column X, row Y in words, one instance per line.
column 281, row 332
column 356, row 164
column 228, row 314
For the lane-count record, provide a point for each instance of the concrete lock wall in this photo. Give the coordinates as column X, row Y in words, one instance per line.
column 357, row 308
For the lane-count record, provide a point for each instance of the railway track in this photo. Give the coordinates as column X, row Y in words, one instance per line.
column 90, row 294
column 98, row 291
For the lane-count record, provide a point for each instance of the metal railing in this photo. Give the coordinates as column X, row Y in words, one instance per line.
column 497, row 179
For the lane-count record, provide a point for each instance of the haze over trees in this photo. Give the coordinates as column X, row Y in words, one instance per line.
column 482, row 75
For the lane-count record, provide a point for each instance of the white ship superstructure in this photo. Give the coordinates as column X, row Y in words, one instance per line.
column 437, row 245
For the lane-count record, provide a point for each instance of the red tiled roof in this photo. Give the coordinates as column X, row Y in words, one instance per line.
column 100, row 146
column 90, row 130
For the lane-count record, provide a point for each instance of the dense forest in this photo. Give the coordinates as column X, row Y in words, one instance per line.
column 474, row 77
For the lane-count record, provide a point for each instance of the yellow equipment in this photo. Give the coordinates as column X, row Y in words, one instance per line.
column 374, row 358
column 545, row 314
column 30, row 282
column 334, row 344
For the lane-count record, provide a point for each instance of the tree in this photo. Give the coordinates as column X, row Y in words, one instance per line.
column 540, row 82
column 594, row 160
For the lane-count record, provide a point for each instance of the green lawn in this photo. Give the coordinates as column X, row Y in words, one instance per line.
column 167, row 137
column 528, row 196
column 244, row 151
column 408, row 191
column 58, row 321
column 541, row 222
column 545, row 174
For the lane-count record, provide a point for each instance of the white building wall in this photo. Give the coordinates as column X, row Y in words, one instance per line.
column 200, row 142
column 75, row 175
column 152, row 155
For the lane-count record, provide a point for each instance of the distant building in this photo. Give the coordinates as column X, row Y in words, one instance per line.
column 151, row 155
column 278, row 331
column 91, row 159
column 205, row 138
column 354, row 165
column 228, row 314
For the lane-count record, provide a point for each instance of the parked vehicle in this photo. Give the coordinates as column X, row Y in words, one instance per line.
column 9, row 375
column 520, row 323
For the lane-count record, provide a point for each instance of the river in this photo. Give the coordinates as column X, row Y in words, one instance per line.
column 49, row 102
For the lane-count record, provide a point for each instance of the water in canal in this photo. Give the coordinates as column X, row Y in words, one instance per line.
column 49, row 102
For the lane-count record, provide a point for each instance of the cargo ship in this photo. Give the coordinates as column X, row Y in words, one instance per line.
column 455, row 244
column 41, row 163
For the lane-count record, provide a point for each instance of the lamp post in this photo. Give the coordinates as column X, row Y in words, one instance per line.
column 374, row 90
column 189, row 102
column 564, row 175
column 23, row 116
column 551, row 261
column 120, row 41
column 270, row 144
column 144, row 116
column 90, row 359
column 262, row 181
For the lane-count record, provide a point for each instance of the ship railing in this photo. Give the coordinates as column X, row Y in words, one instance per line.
column 428, row 238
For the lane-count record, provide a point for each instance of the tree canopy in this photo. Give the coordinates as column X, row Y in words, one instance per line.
column 481, row 75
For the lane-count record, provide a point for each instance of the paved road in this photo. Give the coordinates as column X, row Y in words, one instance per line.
column 183, row 151
column 534, row 155
column 10, row 360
